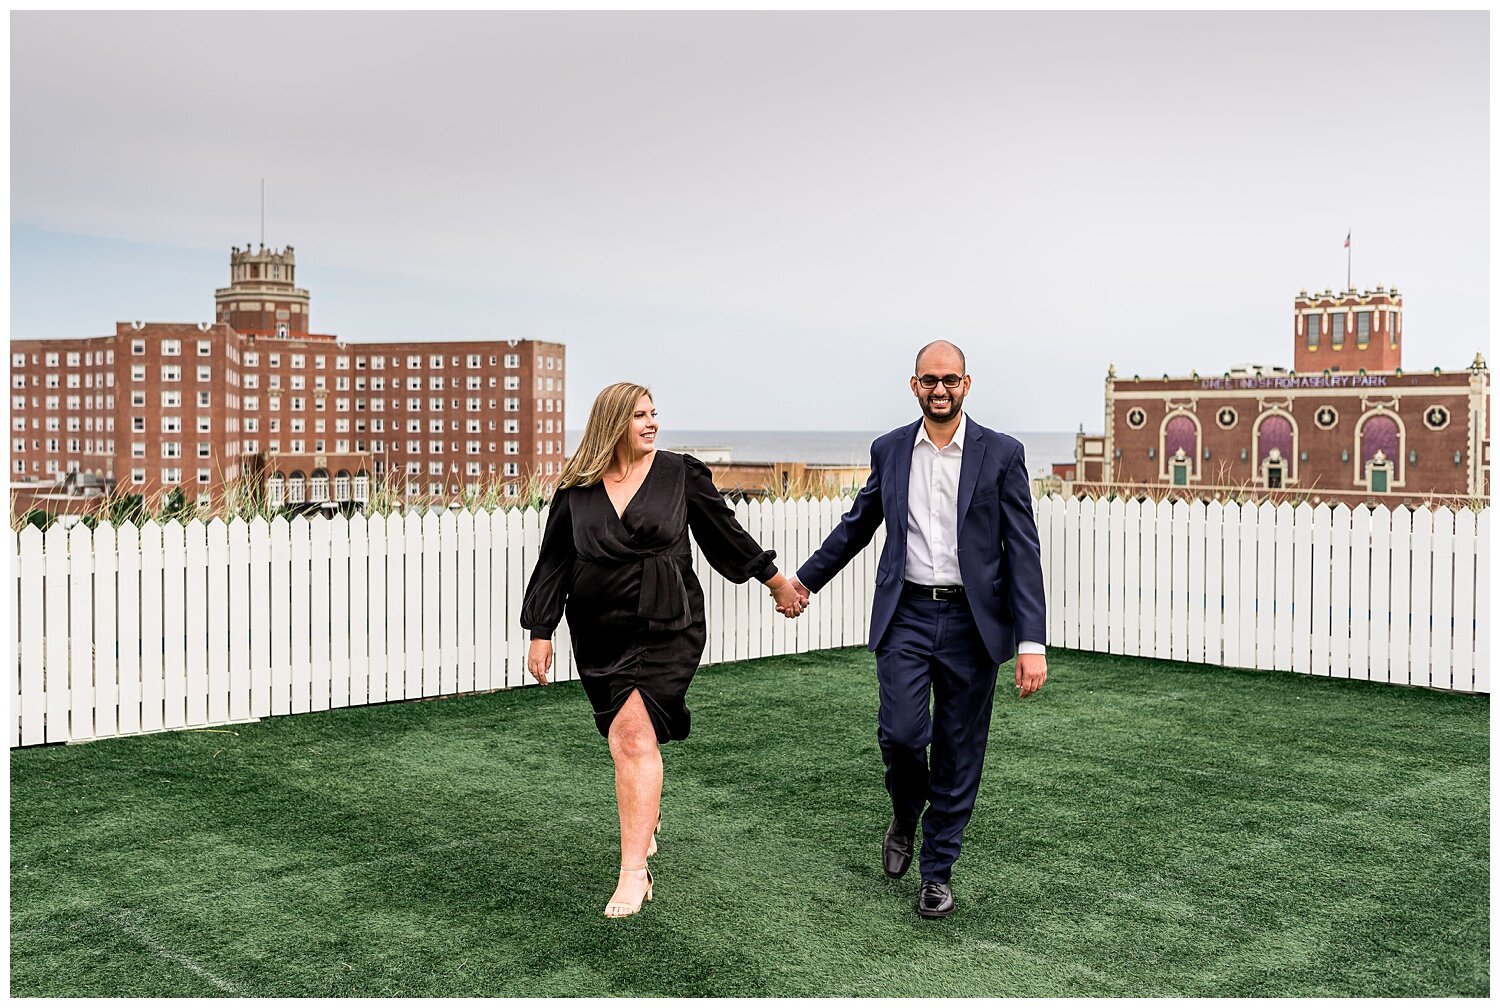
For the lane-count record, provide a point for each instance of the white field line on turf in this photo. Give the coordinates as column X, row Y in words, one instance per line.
column 181, row 960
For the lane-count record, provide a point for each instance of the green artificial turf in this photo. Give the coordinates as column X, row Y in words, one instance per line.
column 1143, row 828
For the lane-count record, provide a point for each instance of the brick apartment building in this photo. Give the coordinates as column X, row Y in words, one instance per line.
column 1346, row 423
column 254, row 399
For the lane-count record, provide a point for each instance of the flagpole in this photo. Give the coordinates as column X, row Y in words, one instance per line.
column 1349, row 261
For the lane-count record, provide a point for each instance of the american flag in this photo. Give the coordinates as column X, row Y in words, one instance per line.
column 1347, row 237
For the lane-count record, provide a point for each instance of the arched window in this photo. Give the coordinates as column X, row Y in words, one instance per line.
column 1380, row 441
column 296, row 490
column 1275, row 450
column 362, row 486
column 317, row 488
column 1179, row 450
column 275, row 490
column 341, row 485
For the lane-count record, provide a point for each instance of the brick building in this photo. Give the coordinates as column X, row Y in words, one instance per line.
column 255, row 399
column 1347, row 423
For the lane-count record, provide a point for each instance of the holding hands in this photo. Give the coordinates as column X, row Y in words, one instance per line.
column 791, row 596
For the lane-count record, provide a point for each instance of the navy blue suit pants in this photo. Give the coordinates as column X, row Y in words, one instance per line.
column 933, row 651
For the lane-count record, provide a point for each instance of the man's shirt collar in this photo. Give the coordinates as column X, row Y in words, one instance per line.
column 958, row 434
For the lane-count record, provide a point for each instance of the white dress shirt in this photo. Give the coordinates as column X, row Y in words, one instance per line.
column 932, row 514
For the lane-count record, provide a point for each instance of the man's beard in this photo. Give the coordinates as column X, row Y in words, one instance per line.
column 956, row 402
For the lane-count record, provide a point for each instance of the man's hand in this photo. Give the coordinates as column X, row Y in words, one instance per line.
column 539, row 659
column 800, row 588
column 1031, row 672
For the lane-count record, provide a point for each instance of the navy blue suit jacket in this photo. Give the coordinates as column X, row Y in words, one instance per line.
column 999, row 554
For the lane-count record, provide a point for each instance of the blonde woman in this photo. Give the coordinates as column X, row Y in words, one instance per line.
column 615, row 555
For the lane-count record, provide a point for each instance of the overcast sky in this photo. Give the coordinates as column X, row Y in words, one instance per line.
column 763, row 215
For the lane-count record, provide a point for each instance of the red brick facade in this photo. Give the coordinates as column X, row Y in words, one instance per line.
column 1350, row 432
column 309, row 417
column 1346, row 332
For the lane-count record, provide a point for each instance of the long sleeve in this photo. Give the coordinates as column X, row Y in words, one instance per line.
column 547, row 591
column 729, row 548
column 1023, row 550
column 852, row 534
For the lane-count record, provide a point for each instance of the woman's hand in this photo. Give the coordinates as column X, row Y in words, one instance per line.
column 539, row 659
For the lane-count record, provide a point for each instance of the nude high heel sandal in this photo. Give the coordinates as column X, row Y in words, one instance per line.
column 627, row 909
column 652, row 851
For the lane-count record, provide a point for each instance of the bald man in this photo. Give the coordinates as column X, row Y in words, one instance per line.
column 958, row 592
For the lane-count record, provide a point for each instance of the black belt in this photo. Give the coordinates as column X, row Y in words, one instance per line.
column 938, row 593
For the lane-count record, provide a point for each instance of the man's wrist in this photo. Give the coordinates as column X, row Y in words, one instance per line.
column 1030, row 647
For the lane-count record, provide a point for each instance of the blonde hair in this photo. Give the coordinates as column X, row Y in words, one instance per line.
column 609, row 419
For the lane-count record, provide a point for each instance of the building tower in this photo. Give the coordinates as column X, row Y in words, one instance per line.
column 262, row 298
column 1347, row 332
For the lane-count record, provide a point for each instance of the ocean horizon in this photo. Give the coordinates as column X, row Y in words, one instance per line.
column 1043, row 448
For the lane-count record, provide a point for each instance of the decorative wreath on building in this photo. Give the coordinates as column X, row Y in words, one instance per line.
column 1436, row 417
column 1136, row 418
column 1227, row 418
column 1326, row 418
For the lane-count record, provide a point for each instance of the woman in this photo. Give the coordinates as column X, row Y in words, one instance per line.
column 615, row 554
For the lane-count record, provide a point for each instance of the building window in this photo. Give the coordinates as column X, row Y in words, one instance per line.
column 1179, row 435
column 171, row 475
column 1380, row 443
column 1314, row 324
column 171, row 399
column 1362, row 333
column 171, row 348
column 1275, row 449
column 512, row 360
column 1337, row 325
column 171, row 372
column 205, row 348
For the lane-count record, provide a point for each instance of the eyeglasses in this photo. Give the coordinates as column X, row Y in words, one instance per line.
column 931, row 380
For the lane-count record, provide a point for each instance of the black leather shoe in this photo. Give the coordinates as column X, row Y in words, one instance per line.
column 898, row 845
column 935, row 899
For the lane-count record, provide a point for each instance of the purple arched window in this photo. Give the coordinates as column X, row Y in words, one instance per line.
column 1380, row 433
column 1182, row 433
column 1275, row 432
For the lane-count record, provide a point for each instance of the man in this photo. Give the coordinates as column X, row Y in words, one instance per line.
column 958, row 585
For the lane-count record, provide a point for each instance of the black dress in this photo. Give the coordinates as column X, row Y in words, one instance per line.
column 633, row 602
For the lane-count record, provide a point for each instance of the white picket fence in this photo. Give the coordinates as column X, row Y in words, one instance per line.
column 123, row 630
column 1393, row 596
